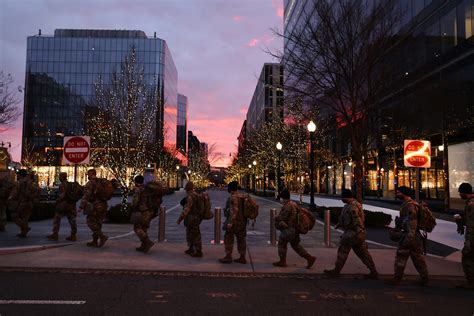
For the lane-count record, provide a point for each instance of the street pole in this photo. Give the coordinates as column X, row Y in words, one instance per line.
column 279, row 146
column 311, row 172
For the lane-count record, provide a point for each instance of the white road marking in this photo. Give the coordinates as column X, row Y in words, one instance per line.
column 40, row 302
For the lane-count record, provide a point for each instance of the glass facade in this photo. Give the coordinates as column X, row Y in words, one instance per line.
column 61, row 71
column 182, row 128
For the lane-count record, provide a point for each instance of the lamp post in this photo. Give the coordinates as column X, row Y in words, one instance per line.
column 248, row 178
column 279, row 147
column 177, row 176
column 254, row 170
column 311, row 130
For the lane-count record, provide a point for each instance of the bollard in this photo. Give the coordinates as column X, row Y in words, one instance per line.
column 273, row 234
column 327, row 228
column 217, row 225
column 161, row 224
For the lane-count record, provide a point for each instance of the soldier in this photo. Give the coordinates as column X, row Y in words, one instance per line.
column 352, row 221
column 286, row 222
column 23, row 195
column 64, row 206
column 192, row 220
column 140, row 205
column 5, row 188
column 98, row 212
column 465, row 192
column 235, row 225
column 409, row 244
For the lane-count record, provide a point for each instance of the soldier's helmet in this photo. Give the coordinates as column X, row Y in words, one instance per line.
column 232, row 186
column 189, row 186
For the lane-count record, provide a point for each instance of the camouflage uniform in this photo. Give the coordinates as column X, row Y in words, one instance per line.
column 352, row 221
column 98, row 212
column 64, row 207
column 235, row 216
column 24, row 193
column 140, row 205
column 468, row 250
column 409, row 245
column 192, row 220
column 5, row 188
column 287, row 221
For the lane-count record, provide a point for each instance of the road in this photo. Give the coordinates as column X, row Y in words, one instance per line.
column 133, row 293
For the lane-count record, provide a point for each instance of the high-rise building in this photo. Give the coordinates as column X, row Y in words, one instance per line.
column 430, row 96
column 61, row 71
column 182, row 128
column 267, row 99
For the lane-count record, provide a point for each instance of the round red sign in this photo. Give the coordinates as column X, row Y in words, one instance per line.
column 76, row 150
column 417, row 153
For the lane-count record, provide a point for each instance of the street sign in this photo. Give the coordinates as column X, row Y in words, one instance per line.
column 76, row 150
column 417, row 153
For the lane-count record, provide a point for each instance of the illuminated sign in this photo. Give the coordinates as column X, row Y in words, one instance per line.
column 417, row 153
column 76, row 150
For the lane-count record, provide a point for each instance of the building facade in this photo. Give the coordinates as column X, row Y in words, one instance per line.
column 267, row 99
column 182, row 128
column 431, row 97
column 61, row 71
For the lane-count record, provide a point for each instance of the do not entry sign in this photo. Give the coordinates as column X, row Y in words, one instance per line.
column 76, row 150
column 417, row 153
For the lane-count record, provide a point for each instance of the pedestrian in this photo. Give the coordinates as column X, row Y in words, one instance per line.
column 286, row 222
column 191, row 215
column 64, row 206
column 467, row 219
column 351, row 221
column 96, row 213
column 22, row 197
column 5, row 188
column 409, row 245
column 235, row 225
column 144, row 214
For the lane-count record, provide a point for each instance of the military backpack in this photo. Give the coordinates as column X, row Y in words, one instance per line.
column 203, row 206
column 74, row 191
column 305, row 220
column 152, row 194
column 104, row 190
column 250, row 207
column 426, row 219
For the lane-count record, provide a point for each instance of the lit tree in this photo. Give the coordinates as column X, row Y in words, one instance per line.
column 8, row 101
column 122, row 129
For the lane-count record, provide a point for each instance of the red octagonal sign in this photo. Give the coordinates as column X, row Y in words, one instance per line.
column 76, row 150
column 417, row 153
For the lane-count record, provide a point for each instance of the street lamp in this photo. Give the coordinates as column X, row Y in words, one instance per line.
column 254, row 170
column 311, row 130
column 177, row 176
column 279, row 147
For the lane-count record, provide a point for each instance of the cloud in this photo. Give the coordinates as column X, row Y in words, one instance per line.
column 238, row 18
column 253, row 42
column 243, row 110
column 278, row 5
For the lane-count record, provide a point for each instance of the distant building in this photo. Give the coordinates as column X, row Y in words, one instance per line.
column 61, row 71
column 267, row 99
column 182, row 128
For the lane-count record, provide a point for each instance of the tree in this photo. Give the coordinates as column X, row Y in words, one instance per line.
column 8, row 100
column 122, row 126
column 336, row 62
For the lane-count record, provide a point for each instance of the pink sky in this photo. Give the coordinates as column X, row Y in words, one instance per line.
column 217, row 46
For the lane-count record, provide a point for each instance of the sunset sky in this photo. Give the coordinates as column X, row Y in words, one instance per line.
column 218, row 47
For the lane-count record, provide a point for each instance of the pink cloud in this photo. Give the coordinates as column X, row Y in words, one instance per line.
column 253, row 42
column 243, row 110
column 238, row 18
column 278, row 5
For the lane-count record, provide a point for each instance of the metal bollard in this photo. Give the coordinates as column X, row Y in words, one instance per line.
column 161, row 224
column 327, row 228
column 217, row 225
column 273, row 234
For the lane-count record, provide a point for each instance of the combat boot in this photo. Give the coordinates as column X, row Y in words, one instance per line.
column 189, row 251
column 147, row 245
column 53, row 236
column 197, row 254
column 241, row 259
column 93, row 243
column 226, row 259
column 423, row 281
column 102, row 240
column 373, row 275
column 332, row 274
column 311, row 260
column 72, row 237
column 281, row 263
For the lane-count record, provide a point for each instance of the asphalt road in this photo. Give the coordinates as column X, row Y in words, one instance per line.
column 129, row 293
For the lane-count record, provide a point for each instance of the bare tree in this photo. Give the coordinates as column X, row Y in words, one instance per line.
column 335, row 61
column 122, row 127
column 8, row 101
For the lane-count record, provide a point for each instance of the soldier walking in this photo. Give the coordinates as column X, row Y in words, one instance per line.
column 5, row 188
column 287, row 222
column 192, row 220
column 409, row 245
column 467, row 219
column 352, row 221
column 23, row 195
column 140, row 205
column 234, row 226
column 99, row 209
column 64, row 206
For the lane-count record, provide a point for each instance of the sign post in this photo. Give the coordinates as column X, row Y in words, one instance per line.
column 417, row 154
column 76, row 151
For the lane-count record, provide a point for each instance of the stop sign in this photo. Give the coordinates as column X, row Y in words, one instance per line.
column 417, row 153
column 76, row 149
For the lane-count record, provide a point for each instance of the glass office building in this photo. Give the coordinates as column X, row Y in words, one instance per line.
column 182, row 128
column 61, row 71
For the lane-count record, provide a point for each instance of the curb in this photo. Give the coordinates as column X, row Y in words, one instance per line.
column 14, row 250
